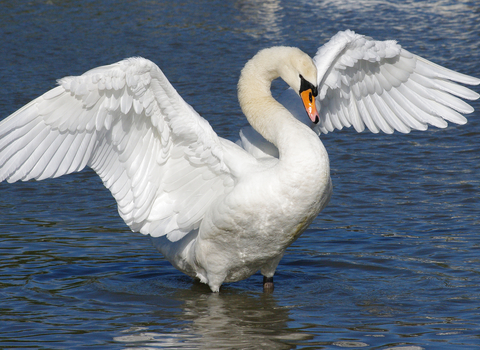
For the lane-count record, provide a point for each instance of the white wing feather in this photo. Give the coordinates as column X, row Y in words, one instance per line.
column 161, row 160
column 378, row 84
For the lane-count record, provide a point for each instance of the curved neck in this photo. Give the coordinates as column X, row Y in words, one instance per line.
column 263, row 112
column 267, row 116
column 303, row 167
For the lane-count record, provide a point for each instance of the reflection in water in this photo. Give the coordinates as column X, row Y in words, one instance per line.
column 216, row 321
column 263, row 17
column 439, row 7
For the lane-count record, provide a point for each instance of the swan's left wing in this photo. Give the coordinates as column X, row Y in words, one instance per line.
column 377, row 84
column 161, row 161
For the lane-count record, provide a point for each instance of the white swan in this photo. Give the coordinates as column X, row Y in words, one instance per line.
column 217, row 211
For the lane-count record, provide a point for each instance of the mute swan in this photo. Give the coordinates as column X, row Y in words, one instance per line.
column 220, row 211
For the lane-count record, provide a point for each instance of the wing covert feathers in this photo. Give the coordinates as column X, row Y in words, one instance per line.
column 381, row 86
column 161, row 161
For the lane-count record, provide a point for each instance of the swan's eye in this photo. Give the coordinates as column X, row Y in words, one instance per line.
column 305, row 85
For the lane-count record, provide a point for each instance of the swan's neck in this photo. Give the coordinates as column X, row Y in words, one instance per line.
column 263, row 112
column 267, row 116
column 303, row 166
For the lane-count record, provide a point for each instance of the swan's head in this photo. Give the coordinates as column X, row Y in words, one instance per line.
column 299, row 71
column 295, row 67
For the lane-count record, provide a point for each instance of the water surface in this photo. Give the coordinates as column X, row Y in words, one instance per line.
column 392, row 262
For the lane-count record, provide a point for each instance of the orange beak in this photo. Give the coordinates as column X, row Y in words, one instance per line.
column 309, row 104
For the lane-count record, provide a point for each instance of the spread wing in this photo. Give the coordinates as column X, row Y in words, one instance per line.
column 378, row 84
column 162, row 162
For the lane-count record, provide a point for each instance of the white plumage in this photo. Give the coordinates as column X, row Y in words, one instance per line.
column 378, row 84
column 217, row 211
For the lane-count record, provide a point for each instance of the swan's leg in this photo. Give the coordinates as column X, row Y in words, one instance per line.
column 268, row 284
column 268, row 270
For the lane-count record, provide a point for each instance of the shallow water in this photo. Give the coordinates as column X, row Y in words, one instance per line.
column 392, row 262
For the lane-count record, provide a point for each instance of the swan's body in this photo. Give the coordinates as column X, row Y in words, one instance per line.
column 249, row 227
column 220, row 211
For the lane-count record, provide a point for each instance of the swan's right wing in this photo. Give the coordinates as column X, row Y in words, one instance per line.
column 162, row 162
column 377, row 84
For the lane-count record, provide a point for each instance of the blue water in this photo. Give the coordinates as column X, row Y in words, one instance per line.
column 392, row 263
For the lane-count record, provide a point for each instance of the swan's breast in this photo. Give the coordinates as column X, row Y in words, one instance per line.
column 260, row 218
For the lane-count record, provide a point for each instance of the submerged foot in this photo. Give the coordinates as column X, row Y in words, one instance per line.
column 267, row 284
